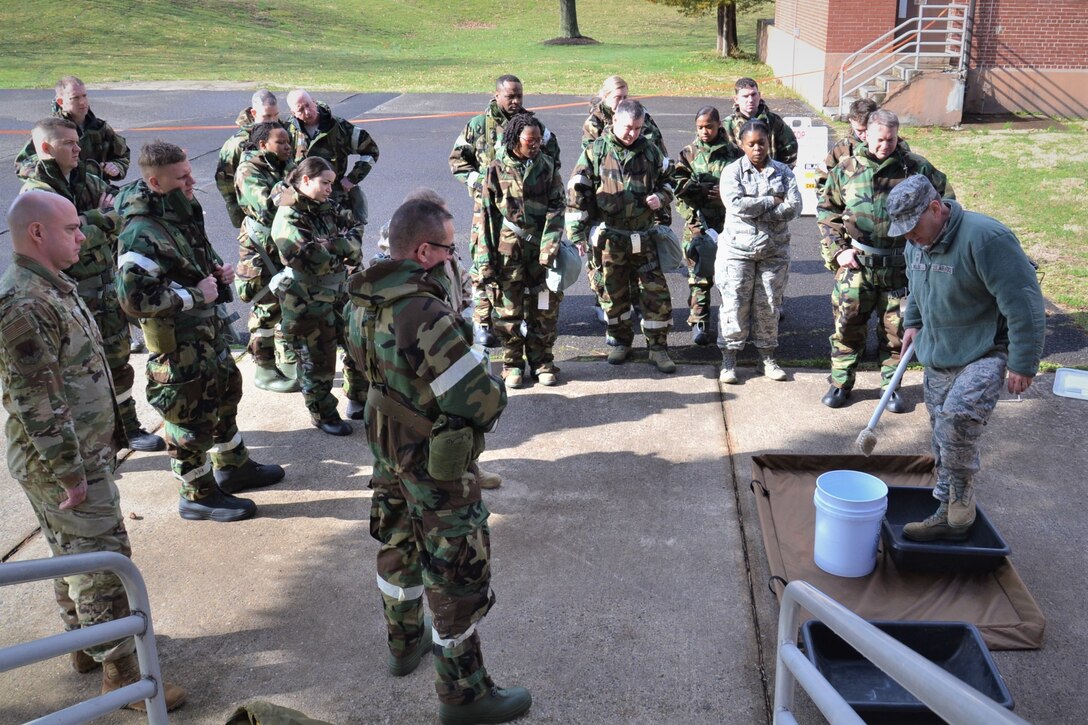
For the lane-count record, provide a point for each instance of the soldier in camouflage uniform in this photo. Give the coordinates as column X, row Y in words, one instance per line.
column 171, row 278
column 259, row 182
column 748, row 104
column 430, row 395
column 858, row 118
column 316, row 244
column 523, row 205
column 99, row 144
column 697, row 176
column 752, row 267
column 472, row 152
column 62, row 419
column 602, row 107
column 316, row 132
column 264, row 109
column 59, row 169
column 975, row 310
column 620, row 182
column 868, row 261
column 860, row 110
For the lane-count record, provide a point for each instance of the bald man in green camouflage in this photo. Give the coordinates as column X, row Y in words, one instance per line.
column 62, row 420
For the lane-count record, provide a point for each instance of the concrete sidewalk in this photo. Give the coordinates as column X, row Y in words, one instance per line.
column 618, row 566
column 619, row 556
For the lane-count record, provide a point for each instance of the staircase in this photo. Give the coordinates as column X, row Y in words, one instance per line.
column 933, row 42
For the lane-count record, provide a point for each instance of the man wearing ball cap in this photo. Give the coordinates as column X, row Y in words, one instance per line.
column 975, row 312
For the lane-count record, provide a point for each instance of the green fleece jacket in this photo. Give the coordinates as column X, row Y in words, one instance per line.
column 974, row 290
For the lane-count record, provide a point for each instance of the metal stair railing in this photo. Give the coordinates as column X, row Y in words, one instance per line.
column 137, row 625
column 904, row 47
column 942, row 692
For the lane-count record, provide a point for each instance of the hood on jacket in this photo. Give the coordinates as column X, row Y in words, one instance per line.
column 138, row 199
column 390, row 280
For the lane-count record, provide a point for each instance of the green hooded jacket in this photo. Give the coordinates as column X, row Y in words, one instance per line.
column 697, row 176
column 610, row 184
column 527, row 194
column 98, row 143
column 480, row 142
column 98, row 255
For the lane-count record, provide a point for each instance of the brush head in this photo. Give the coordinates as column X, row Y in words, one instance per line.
column 866, row 441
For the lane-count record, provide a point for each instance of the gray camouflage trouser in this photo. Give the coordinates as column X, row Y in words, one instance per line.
column 752, row 292
column 960, row 401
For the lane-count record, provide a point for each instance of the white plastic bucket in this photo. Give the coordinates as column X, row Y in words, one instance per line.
column 849, row 507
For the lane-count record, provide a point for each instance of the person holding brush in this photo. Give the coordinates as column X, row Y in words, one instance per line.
column 975, row 313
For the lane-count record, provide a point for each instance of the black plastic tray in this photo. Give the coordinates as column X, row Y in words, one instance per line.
column 955, row 647
column 983, row 550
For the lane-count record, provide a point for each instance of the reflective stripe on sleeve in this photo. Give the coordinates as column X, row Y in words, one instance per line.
column 399, row 593
column 454, row 374
column 575, row 216
column 145, row 263
column 187, row 301
column 262, row 332
column 578, row 179
column 356, row 132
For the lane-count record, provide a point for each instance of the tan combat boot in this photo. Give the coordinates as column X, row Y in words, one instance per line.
column 125, row 671
column 83, row 662
column 961, row 508
column 485, row 479
column 935, row 527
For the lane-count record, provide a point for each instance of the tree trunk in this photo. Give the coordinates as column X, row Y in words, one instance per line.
column 722, row 50
column 568, row 19
column 731, row 43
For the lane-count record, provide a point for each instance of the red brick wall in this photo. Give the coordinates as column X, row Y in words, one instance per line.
column 853, row 23
column 1030, row 33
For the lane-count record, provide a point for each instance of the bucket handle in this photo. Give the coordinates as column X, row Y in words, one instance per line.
column 762, row 488
column 771, row 581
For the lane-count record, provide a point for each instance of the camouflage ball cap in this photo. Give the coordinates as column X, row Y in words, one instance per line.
column 907, row 201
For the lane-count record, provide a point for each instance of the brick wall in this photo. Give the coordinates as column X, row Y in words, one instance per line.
column 808, row 15
column 1050, row 34
column 836, row 26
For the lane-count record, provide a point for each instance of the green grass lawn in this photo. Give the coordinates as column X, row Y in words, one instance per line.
column 1033, row 180
column 369, row 45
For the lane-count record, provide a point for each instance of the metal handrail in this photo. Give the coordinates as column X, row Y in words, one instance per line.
column 886, row 51
column 942, row 692
column 137, row 625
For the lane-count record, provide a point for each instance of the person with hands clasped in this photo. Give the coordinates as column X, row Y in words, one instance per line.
column 316, row 243
column 752, row 265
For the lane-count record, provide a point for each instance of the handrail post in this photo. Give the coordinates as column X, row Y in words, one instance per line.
column 137, row 624
column 943, row 693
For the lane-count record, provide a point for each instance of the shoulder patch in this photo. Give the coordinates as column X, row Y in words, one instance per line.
column 17, row 328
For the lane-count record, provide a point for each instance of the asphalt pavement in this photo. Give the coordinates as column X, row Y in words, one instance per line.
column 415, row 134
column 630, row 574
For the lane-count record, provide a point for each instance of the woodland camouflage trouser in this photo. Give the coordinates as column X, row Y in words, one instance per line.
column 857, row 294
column 620, row 270
column 522, row 290
column 196, row 390
column 432, row 545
